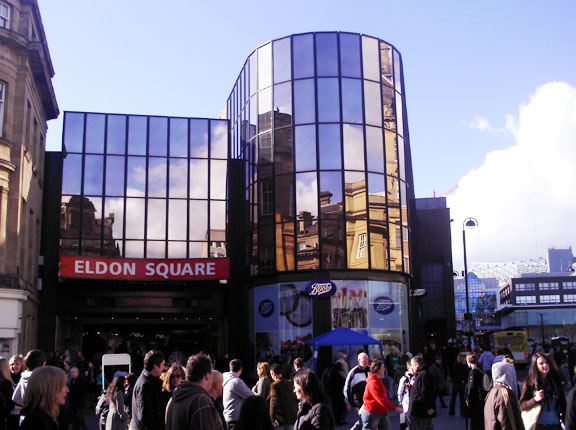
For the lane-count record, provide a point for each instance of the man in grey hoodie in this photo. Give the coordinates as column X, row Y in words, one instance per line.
column 235, row 392
column 502, row 410
column 191, row 407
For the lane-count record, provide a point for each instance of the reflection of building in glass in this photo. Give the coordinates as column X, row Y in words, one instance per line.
column 484, row 298
column 27, row 102
column 78, row 214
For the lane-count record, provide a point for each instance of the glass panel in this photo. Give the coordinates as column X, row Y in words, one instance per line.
column 305, row 148
column 328, row 100
column 198, row 249
column 303, row 56
column 282, row 60
column 327, row 54
column 333, row 244
column 178, row 173
column 266, row 249
column 116, row 142
column 395, row 247
column 218, row 179
column 137, row 135
column 350, row 55
column 329, row 142
column 284, row 197
column 134, row 249
column 136, row 176
column 353, row 147
column 253, row 117
column 264, row 110
column 155, row 249
column 357, row 242
column 265, row 66
column 92, row 225
column 198, row 219
column 378, row 245
column 355, row 191
column 115, row 175
column 178, row 137
column 391, row 154
column 158, row 136
column 74, row 131
column 253, row 73
column 389, row 107
column 157, row 177
column 397, row 71
column 219, row 139
column 400, row 114
column 331, row 194
column 304, row 102
column 134, row 218
column 156, row 219
column 283, row 151
column 265, row 154
column 176, row 249
column 372, row 104
column 114, row 209
column 401, row 161
column 95, row 133
column 393, row 193
column 177, row 216
column 386, row 64
column 308, row 243
column 199, row 138
column 198, row 179
column 370, row 59
column 282, row 104
column 374, row 149
column 352, row 100
column 72, row 174
column 377, row 197
column 285, row 246
column 306, row 194
column 403, row 199
column 217, row 215
column 93, row 174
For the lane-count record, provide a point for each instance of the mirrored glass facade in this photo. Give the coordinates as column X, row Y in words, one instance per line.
column 143, row 186
column 319, row 121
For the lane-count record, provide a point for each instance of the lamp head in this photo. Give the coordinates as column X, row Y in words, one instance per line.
column 470, row 223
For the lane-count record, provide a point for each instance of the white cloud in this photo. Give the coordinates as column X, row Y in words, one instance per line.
column 524, row 197
column 481, row 124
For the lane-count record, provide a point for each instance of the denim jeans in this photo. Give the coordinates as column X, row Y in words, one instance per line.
column 372, row 421
column 421, row 423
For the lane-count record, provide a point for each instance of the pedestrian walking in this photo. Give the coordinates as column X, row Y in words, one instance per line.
column 262, row 387
column 117, row 418
column 314, row 411
column 422, row 405
column 376, row 404
column 502, row 409
column 354, row 386
column 147, row 404
column 235, row 392
column 475, row 394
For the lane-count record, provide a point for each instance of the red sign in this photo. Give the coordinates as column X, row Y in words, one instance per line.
column 131, row 269
column 156, row 302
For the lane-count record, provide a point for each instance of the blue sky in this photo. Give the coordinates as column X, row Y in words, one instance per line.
column 468, row 67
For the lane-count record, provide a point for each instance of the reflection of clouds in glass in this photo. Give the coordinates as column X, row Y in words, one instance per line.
column 198, row 179
column 156, row 219
column 177, row 219
column 219, row 130
column 116, row 207
column 135, row 218
column 178, row 184
column 198, row 219
column 157, row 177
column 306, row 193
column 353, row 147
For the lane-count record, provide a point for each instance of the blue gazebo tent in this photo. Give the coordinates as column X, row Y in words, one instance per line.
column 342, row 336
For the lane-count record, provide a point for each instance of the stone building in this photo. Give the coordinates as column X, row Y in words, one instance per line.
column 27, row 102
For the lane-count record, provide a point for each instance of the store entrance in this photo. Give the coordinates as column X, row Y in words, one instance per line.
column 176, row 340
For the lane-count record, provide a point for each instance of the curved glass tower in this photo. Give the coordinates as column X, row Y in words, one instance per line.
column 319, row 120
column 318, row 124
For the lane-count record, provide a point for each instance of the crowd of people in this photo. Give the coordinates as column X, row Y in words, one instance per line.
column 192, row 394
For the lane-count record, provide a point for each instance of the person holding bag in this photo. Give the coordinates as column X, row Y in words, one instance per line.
column 542, row 401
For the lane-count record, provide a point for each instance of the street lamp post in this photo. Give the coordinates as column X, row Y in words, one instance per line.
column 468, row 223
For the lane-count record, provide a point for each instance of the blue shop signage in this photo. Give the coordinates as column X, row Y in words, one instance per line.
column 321, row 289
column 266, row 308
column 384, row 305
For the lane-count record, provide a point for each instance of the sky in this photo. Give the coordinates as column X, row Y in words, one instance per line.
column 490, row 91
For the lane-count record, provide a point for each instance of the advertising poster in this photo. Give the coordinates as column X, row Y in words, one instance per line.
column 349, row 305
column 266, row 322
column 385, row 312
column 295, row 320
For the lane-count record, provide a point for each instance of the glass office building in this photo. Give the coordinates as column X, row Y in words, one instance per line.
column 319, row 121
column 305, row 180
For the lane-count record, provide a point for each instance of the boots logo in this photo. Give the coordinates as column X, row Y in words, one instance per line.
column 266, row 308
column 383, row 305
column 322, row 288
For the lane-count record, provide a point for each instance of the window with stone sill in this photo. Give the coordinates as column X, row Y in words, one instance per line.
column 4, row 15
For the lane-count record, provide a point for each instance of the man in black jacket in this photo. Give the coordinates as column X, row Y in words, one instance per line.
column 354, row 386
column 147, row 404
column 422, row 405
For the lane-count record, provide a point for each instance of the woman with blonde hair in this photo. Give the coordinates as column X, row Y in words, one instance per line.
column 262, row 387
column 45, row 393
column 172, row 378
column 6, row 389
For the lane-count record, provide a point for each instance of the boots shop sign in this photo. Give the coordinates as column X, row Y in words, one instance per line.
column 144, row 269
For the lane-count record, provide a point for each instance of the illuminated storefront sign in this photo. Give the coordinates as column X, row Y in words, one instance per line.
column 144, row 269
column 321, row 289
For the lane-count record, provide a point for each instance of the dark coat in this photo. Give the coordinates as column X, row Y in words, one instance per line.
column 283, row 403
column 570, row 417
column 422, row 395
column 192, row 408
column 527, row 398
column 475, row 393
column 318, row 416
column 147, row 404
column 35, row 419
